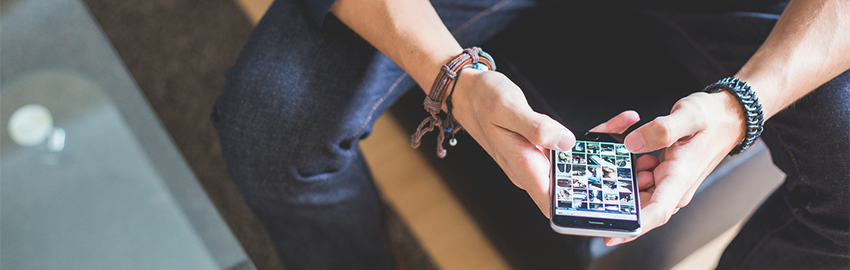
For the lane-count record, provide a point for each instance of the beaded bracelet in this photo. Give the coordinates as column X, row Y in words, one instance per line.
column 474, row 57
column 748, row 99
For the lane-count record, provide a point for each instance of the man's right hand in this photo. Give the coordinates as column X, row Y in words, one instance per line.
column 488, row 105
column 495, row 112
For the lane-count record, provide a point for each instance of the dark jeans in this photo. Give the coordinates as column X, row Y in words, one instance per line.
column 300, row 97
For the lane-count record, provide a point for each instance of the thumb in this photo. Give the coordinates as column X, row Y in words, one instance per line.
column 618, row 124
column 541, row 130
column 663, row 131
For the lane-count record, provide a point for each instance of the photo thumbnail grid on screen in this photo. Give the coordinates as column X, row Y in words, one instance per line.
column 594, row 176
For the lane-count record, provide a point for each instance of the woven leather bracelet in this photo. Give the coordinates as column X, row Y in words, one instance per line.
column 434, row 101
column 748, row 100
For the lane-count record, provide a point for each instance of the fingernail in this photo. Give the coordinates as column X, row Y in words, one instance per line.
column 635, row 142
column 566, row 141
column 614, row 242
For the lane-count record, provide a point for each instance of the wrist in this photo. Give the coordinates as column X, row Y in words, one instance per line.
column 749, row 104
column 766, row 86
column 424, row 68
column 440, row 96
column 464, row 89
column 732, row 114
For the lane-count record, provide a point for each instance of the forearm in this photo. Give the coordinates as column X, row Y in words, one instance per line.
column 809, row 46
column 408, row 31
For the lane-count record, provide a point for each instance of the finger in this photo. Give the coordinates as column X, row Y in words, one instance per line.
column 527, row 166
column 684, row 169
column 613, row 241
column 644, row 167
column 655, row 215
column 662, row 203
column 646, row 163
column 539, row 129
column 539, row 186
column 618, row 124
column 645, row 180
column 666, row 194
column 689, row 195
column 644, row 197
column 665, row 130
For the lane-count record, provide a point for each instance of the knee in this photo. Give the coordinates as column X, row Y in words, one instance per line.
column 269, row 145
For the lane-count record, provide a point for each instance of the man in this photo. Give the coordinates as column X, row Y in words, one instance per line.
column 309, row 84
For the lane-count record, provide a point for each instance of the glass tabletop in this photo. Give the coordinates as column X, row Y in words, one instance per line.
column 89, row 178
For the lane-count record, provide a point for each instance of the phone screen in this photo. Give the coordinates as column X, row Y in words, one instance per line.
column 594, row 186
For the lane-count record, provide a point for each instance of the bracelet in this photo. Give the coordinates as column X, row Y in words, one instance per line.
column 470, row 57
column 748, row 99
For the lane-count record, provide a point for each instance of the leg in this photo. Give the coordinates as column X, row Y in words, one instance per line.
column 295, row 104
column 804, row 224
column 289, row 121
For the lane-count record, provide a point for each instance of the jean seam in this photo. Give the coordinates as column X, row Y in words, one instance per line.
column 693, row 43
column 375, row 107
column 480, row 15
column 764, row 239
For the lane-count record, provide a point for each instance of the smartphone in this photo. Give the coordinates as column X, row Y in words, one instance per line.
column 593, row 189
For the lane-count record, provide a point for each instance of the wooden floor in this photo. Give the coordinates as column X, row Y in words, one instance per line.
column 434, row 215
